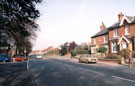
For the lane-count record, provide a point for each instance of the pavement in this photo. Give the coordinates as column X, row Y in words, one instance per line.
column 99, row 62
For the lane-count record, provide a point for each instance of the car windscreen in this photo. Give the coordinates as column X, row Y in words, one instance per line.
column 88, row 56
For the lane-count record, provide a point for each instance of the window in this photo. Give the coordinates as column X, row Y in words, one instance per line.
column 104, row 38
column 114, row 49
column 116, row 32
column 94, row 40
column 124, row 46
column 127, row 30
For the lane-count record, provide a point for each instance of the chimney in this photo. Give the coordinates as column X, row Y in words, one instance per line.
column 120, row 16
column 102, row 26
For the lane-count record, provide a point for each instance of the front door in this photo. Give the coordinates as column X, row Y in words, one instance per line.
column 124, row 46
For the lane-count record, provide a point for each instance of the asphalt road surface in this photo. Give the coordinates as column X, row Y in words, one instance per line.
column 15, row 74
column 63, row 72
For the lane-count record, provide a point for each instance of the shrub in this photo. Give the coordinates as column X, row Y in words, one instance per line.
column 102, row 49
column 73, row 53
column 82, row 51
column 133, row 54
column 125, row 53
column 113, row 56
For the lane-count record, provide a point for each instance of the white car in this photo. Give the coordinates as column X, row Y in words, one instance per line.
column 39, row 57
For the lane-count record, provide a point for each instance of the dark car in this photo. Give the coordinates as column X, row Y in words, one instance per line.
column 4, row 58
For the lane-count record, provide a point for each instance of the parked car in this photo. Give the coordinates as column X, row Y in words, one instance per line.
column 4, row 58
column 39, row 56
column 87, row 58
column 20, row 58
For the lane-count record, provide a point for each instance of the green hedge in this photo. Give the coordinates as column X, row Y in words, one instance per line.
column 73, row 53
column 80, row 52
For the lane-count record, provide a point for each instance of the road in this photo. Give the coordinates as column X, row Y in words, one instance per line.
column 64, row 72
column 15, row 74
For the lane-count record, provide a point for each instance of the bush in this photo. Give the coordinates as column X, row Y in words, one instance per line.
column 82, row 52
column 125, row 53
column 73, row 53
column 113, row 56
column 102, row 49
column 133, row 54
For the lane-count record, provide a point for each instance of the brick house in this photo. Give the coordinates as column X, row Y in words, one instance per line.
column 122, row 34
column 119, row 36
column 100, row 39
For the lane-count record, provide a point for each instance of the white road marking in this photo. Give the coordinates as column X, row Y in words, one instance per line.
column 123, row 78
column 28, row 64
column 82, row 68
column 99, row 73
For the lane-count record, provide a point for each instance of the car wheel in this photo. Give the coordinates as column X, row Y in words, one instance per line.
column 87, row 62
column 80, row 61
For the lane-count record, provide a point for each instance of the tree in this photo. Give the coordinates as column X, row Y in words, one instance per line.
column 83, row 46
column 82, row 49
column 72, row 46
column 17, row 20
column 64, row 49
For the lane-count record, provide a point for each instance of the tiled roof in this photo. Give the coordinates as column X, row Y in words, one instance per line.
column 133, row 21
column 115, row 25
column 129, row 17
column 103, row 32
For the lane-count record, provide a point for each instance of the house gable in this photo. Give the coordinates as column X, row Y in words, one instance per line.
column 129, row 19
column 125, row 39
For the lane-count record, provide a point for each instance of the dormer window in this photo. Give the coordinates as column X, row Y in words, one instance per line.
column 116, row 32
column 127, row 30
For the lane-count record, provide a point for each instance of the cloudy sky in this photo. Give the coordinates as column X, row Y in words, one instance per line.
column 76, row 20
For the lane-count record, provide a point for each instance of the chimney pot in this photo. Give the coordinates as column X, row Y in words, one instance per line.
column 102, row 26
column 120, row 16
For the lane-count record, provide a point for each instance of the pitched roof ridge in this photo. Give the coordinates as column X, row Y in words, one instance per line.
column 133, row 19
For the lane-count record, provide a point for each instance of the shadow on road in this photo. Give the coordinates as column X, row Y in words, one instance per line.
column 15, row 74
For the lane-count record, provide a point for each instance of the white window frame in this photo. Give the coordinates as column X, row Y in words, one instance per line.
column 105, row 39
column 122, row 46
column 94, row 40
column 115, row 32
column 114, row 51
column 127, row 30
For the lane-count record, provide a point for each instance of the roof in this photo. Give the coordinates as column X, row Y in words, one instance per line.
column 129, row 19
column 103, row 32
column 133, row 21
column 115, row 25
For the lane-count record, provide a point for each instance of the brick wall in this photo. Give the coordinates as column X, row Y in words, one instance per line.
column 100, row 40
column 121, row 31
column 134, row 43
column 111, row 34
column 132, row 29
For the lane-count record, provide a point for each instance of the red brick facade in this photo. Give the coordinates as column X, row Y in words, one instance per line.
column 120, row 35
column 100, row 40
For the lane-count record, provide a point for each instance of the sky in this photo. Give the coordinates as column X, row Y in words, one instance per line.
column 76, row 20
